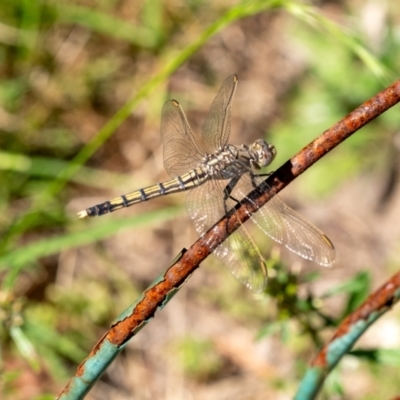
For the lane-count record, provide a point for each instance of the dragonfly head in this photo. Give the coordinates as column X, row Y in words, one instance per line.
column 263, row 153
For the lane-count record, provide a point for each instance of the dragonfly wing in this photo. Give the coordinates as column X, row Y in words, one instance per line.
column 205, row 206
column 182, row 149
column 287, row 227
column 217, row 125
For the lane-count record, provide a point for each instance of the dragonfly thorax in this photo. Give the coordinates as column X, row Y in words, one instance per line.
column 231, row 161
column 225, row 163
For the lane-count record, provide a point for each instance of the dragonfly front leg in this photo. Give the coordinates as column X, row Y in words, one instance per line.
column 253, row 176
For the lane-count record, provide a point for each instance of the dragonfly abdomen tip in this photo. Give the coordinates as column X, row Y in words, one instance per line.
column 82, row 214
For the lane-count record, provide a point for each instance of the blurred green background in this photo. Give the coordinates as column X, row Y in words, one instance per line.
column 82, row 84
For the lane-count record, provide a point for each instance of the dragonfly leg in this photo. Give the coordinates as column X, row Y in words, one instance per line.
column 228, row 190
column 253, row 176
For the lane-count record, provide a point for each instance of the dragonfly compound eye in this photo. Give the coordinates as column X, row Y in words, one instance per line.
column 263, row 153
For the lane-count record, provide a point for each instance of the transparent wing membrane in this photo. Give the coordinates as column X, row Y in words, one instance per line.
column 217, row 125
column 182, row 149
column 285, row 226
column 205, row 206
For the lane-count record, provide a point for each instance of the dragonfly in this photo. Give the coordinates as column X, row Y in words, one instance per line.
column 217, row 175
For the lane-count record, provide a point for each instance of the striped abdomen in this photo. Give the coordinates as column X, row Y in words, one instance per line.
column 194, row 177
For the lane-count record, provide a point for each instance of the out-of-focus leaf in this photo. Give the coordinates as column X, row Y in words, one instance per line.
column 25, row 346
column 379, row 356
column 356, row 288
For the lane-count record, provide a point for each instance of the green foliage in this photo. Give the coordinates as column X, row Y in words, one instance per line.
column 331, row 89
column 357, row 290
column 198, row 358
column 379, row 356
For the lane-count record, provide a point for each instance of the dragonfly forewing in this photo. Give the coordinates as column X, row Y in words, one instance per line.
column 217, row 125
column 287, row 227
